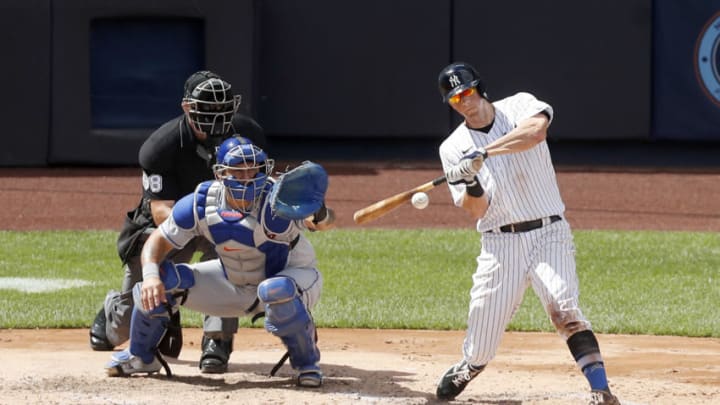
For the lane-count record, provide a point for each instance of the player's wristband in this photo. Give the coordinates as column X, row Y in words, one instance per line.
column 150, row 270
column 475, row 189
column 483, row 152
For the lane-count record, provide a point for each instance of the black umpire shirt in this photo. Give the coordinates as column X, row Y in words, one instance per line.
column 174, row 161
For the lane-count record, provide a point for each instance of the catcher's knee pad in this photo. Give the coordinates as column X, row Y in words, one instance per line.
column 176, row 279
column 176, row 276
column 287, row 318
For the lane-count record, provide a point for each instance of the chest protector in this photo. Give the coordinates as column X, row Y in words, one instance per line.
column 251, row 246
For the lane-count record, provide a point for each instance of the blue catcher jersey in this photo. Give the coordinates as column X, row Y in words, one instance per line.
column 251, row 247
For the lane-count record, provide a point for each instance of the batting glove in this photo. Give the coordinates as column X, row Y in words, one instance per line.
column 467, row 168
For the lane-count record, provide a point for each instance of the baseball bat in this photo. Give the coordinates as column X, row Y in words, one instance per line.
column 382, row 207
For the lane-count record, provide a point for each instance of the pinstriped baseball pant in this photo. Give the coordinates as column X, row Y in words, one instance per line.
column 543, row 258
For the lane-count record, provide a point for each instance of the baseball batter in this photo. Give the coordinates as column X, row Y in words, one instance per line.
column 265, row 263
column 499, row 171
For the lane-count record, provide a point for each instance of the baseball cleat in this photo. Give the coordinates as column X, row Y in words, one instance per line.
column 601, row 397
column 454, row 381
column 310, row 377
column 98, row 338
column 124, row 364
column 215, row 356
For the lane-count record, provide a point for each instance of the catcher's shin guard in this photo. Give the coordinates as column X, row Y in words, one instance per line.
column 177, row 278
column 287, row 318
column 171, row 343
column 147, row 328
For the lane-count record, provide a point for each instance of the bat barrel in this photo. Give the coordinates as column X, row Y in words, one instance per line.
column 382, row 207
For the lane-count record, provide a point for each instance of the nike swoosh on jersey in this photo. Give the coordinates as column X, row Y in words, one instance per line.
column 229, row 249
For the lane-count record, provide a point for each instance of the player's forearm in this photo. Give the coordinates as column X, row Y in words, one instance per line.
column 525, row 136
column 475, row 206
column 328, row 222
column 321, row 220
column 161, row 209
column 154, row 251
column 515, row 141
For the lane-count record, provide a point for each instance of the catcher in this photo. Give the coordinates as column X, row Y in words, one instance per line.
column 265, row 264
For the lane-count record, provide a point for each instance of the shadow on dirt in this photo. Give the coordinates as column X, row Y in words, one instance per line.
column 354, row 383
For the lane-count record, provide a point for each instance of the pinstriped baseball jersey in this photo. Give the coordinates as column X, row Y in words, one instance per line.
column 525, row 241
column 520, row 186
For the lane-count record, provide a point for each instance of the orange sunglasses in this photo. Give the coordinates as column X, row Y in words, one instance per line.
column 465, row 93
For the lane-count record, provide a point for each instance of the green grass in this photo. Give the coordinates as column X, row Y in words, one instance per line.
column 663, row 283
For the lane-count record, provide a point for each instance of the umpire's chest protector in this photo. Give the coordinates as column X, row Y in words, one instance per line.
column 250, row 248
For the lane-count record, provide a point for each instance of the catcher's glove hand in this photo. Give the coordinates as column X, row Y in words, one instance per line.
column 467, row 168
column 300, row 192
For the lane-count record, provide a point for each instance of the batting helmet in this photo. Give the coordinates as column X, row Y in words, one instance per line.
column 211, row 103
column 457, row 77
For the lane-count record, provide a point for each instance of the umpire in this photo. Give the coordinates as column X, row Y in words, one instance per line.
column 174, row 159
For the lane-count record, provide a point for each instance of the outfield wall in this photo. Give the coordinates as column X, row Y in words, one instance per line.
column 88, row 81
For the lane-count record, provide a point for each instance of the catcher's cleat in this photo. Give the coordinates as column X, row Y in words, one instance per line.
column 454, row 381
column 215, row 356
column 310, row 377
column 124, row 364
column 98, row 337
column 603, row 398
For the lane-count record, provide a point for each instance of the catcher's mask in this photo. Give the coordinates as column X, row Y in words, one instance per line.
column 210, row 103
column 244, row 170
column 458, row 77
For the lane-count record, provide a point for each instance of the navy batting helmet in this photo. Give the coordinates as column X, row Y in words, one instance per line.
column 457, row 77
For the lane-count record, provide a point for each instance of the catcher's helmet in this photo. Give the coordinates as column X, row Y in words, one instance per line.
column 457, row 77
column 212, row 103
column 228, row 144
column 234, row 157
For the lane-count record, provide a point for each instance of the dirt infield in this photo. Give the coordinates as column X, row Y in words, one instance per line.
column 368, row 366
column 362, row 366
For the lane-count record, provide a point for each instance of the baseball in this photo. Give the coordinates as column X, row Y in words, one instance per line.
column 420, row 200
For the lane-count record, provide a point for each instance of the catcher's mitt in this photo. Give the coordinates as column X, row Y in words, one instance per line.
column 300, row 192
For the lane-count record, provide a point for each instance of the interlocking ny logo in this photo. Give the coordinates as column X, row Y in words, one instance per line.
column 454, row 81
